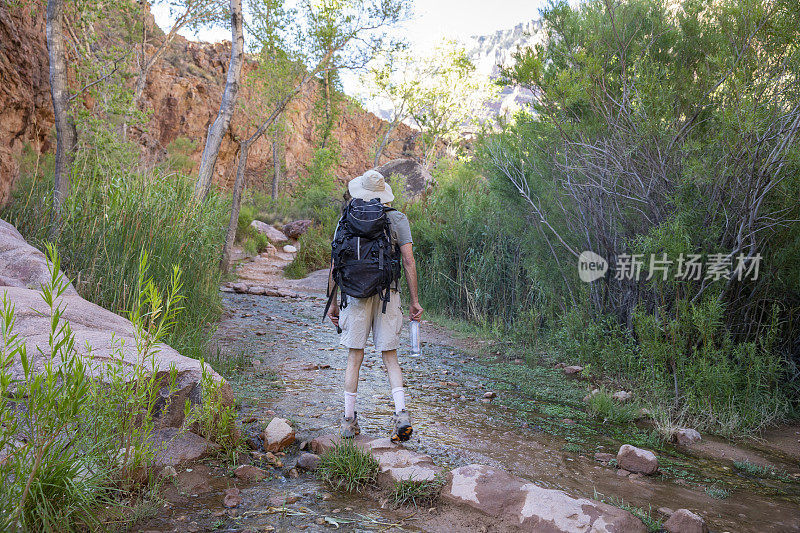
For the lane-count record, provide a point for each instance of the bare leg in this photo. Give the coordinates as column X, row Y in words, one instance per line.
column 354, row 359
column 393, row 369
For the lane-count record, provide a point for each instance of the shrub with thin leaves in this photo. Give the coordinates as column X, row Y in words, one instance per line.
column 74, row 432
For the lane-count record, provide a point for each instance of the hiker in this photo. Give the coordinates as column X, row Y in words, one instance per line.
column 369, row 244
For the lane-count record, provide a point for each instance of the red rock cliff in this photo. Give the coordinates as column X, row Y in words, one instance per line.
column 183, row 92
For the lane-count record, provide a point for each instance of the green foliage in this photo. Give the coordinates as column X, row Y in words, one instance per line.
column 627, row 146
column 347, row 467
column 211, row 417
column 314, row 246
column 763, row 471
column 85, row 428
column 316, row 189
column 653, row 524
column 116, row 212
column 604, row 407
column 718, row 493
column 411, row 492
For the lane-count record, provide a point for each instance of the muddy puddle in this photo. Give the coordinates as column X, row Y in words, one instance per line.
column 534, row 428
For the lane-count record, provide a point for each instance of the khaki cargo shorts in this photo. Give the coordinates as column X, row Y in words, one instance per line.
column 364, row 314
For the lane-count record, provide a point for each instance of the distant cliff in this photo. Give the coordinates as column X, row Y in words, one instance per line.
column 489, row 52
column 183, row 91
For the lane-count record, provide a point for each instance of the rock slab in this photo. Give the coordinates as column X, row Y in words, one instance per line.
column 636, row 459
column 109, row 337
column 518, row 504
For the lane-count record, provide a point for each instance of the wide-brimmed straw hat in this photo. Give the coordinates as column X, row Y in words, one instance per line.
column 371, row 184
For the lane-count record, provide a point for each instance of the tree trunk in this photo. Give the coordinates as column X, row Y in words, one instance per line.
column 276, row 162
column 236, row 204
column 220, row 126
column 384, row 142
column 66, row 134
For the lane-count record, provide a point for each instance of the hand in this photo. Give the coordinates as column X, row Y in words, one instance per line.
column 415, row 311
column 333, row 314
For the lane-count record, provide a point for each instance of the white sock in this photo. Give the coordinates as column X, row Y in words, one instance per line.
column 399, row 396
column 349, row 404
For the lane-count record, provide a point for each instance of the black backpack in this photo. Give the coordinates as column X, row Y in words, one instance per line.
column 364, row 260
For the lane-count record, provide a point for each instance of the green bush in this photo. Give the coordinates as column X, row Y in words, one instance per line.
column 112, row 216
column 347, row 467
column 604, row 407
column 411, row 492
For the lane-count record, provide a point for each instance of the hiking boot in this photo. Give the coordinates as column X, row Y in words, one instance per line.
column 402, row 427
column 349, row 428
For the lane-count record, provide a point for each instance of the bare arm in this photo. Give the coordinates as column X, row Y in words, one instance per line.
column 410, row 266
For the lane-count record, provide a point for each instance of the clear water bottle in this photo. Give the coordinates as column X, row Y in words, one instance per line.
column 415, row 350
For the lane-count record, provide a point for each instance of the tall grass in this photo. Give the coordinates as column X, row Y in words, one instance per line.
column 113, row 214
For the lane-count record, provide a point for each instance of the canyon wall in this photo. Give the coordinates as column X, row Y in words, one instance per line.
column 183, row 93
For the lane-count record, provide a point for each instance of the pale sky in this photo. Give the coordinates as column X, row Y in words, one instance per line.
column 432, row 21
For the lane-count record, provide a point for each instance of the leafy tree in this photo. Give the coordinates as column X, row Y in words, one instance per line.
column 333, row 35
column 440, row 91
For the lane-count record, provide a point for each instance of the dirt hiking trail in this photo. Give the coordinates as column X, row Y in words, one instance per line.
column 286, row 362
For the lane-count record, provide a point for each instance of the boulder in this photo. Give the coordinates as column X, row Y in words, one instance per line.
column 249, row 473
column 308, row 461
column 296, row 228
column 277, row 435
column 273, row 234
column 622, row 396
column 416, row 176
column 100, row 335
column 636, row 459
column 174, row 446
column 529, row 507
column 290, row 249
column 685, row 521
column 22, row 265
column 575, row 369
column 685, row 436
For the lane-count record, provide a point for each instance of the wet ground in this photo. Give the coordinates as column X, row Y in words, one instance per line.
column 291, row 365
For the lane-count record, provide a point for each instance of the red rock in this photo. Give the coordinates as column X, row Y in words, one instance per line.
column 295, row 229
column 308, row 461
column 232, row 498
column 686, row 436
column 637, row 460
column 174, row 446
column 685, row 521
column 249, row 473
